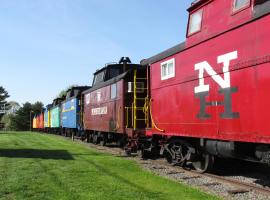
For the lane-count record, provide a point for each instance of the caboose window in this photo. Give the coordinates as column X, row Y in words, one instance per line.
column 195, row 22
column 239, row 4
column 99, row 78
column 113, row 91
column 168, row 69
column 114, row 72
column 87, row 98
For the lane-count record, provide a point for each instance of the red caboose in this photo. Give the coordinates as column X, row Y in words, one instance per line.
column 210, row 93
column 115, row 108
column 41, row 121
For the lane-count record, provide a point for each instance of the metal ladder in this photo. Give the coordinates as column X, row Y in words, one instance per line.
column 135, row 109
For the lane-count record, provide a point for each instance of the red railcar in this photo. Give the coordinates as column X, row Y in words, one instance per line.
column 210, row 93
column 37, row 122
column 41, row 121
column 114, row 106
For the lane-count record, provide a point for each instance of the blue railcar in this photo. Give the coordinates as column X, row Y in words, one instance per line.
column 71, row 114
column 71, row 111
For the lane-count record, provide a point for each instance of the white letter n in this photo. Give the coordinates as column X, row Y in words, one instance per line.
column 222, row 82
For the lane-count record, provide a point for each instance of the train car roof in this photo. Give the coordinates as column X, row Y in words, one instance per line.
column 115, row 79
column 122, row 61
column 197, row 3
column 49, row 106
column 167, row 53
column 57, row 102
column 106, row 67
column 103, row 84
column 79, row 88
column 75, row 95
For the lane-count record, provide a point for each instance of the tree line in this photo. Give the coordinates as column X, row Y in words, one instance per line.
column 20, row 118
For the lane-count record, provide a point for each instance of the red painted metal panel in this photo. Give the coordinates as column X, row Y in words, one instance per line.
column 175, row 104
column 37, row 121
column 218, row 16
column 41, row 121
column 101, row 113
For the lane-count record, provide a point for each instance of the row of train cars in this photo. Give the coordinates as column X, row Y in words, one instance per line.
column 207, row 97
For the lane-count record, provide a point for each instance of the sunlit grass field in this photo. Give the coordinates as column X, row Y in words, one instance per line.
column 37, row 166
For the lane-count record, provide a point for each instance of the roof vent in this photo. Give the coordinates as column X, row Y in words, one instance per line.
column 124, row 60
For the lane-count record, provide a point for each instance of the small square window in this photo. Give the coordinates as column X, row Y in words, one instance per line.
column 239, row 4
column 98, row 96
column 87, row 98
column 195, row 22
column 139, row 87
column 164, row 70
column 113, row 91
column 168, row 69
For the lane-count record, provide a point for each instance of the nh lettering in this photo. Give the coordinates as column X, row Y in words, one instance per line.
column 202, row 91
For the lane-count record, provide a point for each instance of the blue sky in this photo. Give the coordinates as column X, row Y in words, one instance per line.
column 47, row 45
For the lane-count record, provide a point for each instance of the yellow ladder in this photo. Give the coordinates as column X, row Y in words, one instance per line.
column 135, row 107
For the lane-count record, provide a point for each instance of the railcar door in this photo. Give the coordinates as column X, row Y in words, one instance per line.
column 137, row 100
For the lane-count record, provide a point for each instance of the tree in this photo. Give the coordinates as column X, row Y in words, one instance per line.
column 11, row 108
column 37, row 107
column 3, row 103
column 20, row 121
column 7, row 120
column 3, row 96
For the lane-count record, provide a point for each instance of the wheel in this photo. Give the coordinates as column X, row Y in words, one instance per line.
column 144, row 154
column 203, row 163
column 91, row 138
column 128, row 152
column 87, row 138
column 96, row 139
column 103, row 141
column 178, row 152
column 148, row 151
column 121, row 142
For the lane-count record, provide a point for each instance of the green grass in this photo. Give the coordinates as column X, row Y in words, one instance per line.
column 35, row 166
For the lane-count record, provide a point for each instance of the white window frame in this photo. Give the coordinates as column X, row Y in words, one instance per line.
column 240, row 8
column 167, row 76
column 114, row 86
column 87, row 98
column 190, row 22
column 139, row 85
column 98, row 97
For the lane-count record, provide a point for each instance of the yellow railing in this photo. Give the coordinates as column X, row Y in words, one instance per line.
column 135, row 100
column 134, row 109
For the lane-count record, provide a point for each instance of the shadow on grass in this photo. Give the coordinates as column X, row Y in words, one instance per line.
column 36, row 153
column 3, row 133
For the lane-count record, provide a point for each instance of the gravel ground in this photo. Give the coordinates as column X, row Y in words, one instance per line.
column 231, row 169
column 207, row 184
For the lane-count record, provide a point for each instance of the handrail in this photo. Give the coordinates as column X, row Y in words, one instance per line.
column 117, row 121
column 152, row 119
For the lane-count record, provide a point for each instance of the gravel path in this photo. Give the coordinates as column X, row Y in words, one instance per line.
column 246, row 172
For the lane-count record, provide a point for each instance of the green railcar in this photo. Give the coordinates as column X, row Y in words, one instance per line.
column 55, row 117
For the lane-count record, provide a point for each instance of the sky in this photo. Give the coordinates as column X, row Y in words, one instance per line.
column 48, row 45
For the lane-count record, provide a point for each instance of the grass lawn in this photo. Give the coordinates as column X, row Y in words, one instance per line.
column 35, row 166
